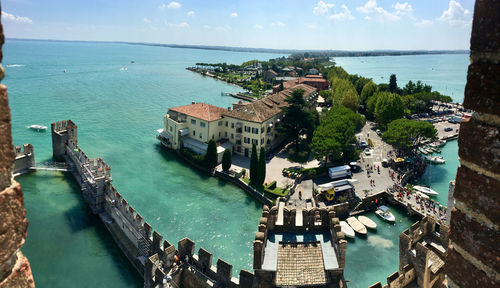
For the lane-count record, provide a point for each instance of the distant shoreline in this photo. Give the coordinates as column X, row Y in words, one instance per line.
column 331, row 53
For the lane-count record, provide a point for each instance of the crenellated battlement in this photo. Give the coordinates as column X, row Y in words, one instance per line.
column 24, row 150
column 24, row 160
column 283, row 226
column 146, row 248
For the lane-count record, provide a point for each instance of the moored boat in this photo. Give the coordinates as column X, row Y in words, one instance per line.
column 346, row 229
column 384, row 213
column 422, row 150
column 369, row 223
column 435, row 159
column 425, row 190
column 356, row 225
column 38, row 127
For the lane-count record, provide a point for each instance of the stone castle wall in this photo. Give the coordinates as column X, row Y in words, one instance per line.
column 15, row 270
column 473, row 258
column 25, row 158
column 145, row 248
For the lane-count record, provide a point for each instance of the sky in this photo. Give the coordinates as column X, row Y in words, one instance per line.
column 281, row 24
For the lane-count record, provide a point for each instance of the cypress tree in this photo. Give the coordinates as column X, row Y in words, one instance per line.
column 211, row 155
column 254, row 163
column 226, row 159
column 393, row 85
column 262, row 166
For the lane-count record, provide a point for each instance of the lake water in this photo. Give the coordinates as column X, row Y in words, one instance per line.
column 117, row 113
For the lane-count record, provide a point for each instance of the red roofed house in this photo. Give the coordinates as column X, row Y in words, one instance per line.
column 315, row 81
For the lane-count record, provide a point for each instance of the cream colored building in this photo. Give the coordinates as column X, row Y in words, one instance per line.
column 192, row 126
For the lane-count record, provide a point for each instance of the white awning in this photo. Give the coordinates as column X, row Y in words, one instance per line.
column 165, row 135
column 184, row 131
column 196, row 146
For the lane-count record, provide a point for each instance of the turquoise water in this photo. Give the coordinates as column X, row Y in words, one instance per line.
column 117, row 113
column 374, row 257
column 445, row 73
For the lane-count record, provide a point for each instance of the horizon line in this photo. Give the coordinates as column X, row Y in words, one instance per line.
column 261, row 50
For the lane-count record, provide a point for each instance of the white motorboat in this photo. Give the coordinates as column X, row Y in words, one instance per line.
column 346, row 229
column 425, row 190
column 422, row 150
column 38, row 127
column 384, row 213
column 422, row 195
column 356, row 225
column 369, row 223
column 435, row 159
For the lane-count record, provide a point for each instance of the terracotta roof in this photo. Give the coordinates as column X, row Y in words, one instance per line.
column 267, row 107
column 290, row 83
column 201, row 111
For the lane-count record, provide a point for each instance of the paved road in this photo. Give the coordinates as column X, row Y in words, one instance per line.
column 374, row 160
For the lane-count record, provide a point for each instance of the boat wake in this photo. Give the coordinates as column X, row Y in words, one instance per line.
column 378, row 241
column 14, row 65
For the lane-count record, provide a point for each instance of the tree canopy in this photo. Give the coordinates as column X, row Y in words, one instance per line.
column 227, row 159
column 334, row 137
column 389, row 107
column 406, row 134
column 297, row 119
column 262, row 167
column 211, row 154
column 344, row 93
column 393, row 85
column 368, row 90
column 254, row 166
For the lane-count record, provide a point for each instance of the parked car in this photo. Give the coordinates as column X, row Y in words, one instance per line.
column 448, row 129
column 379, row 132
column 363, row 144
column 368, row 152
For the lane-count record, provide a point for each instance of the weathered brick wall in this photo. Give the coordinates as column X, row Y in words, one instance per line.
column 14, row 267
column 474, row 256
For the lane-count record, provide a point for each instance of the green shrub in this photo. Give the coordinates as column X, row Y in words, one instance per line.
column 272, row 186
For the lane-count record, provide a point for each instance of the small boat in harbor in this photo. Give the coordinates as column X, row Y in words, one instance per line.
column 435, row 159
column 425, row 190
column 422, row 150
column 346, row 229
column 384, row 213
column 37, row 127
column 356, row 225
column 438, row 143
column 422, row 195
column 369, row 223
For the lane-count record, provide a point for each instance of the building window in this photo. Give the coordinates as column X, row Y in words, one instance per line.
column 193, row 121
column 201, row 135
column 232, row 125
column 238, row 148
column 255, row 130
column 219, row 134
column 246, row 140
column 226, row 124
column 225, row 134
column 247, row 129
column 261, row 141
column 194, row 133
column 171, row 130
column 220, row 123
column 232, row 136
column 262, row 129
column 202, row 124
column 255, row 141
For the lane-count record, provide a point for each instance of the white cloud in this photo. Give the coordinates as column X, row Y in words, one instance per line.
column 146, row 20
column 257, row 26
column 423, row 23
column 234, row 15
column 456, row 14
column 191, row 13
column 378, row 13
column 178, row 25
column 223, row 28
column 174, row 5
column 278, row 24
column 206, row 26
column 322, row 8
column 344, row 15
column 7, row 17
column 403, row 8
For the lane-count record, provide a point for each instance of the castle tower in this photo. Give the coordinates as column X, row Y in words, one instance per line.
column 61, row 133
